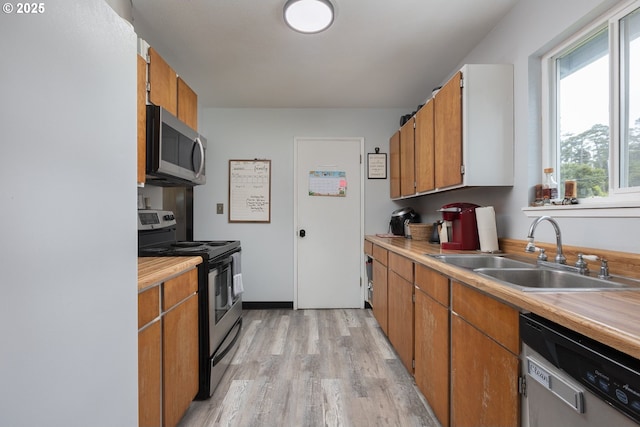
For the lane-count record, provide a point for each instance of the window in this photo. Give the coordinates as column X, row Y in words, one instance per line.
column 593, row 100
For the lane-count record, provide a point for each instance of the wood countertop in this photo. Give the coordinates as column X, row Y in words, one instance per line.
column 153, row 270
column 611, row 317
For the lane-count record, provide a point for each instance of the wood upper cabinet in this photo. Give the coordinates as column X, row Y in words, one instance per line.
column 163, row 83
column 168, row 363
column 432, row 339
column 484, row 360
column 187, row 104
column 424, row 146
column 400, row 300
column 448, row 133
column 394, row 165
column 142, row 118
column 407, row 158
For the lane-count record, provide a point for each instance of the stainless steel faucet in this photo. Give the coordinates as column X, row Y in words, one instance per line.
column 531, row 247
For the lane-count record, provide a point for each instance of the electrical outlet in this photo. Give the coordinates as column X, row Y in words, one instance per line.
column 220, row 208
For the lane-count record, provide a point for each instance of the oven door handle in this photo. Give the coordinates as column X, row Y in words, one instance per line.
column 231, row 345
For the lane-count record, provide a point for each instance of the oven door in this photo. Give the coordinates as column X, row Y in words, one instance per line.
column 224, row 307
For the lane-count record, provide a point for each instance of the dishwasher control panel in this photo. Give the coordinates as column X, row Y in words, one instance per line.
column 605, row 371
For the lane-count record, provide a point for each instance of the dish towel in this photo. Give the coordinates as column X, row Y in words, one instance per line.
column 236, row 273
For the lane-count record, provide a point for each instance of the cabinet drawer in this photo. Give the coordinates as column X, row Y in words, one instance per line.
column 368, row 248
column 179, row 288
column 433, row 284
column 380, row 254
column 497, row 320
column 148, row 305
column 401, row 265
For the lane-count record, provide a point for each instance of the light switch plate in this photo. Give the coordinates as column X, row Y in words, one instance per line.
column 220, row 208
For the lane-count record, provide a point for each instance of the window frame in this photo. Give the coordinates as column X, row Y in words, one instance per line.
column 617, row 197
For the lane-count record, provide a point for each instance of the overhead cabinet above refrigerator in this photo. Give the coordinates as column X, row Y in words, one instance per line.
column 461, row 137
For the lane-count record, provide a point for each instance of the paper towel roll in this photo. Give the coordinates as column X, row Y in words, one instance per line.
column 487, row 232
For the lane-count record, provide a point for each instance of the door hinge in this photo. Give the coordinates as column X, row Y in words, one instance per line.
column 413, row 363
column 522, row 386
column 461, row 82
column 461, row 169
column 413, row 298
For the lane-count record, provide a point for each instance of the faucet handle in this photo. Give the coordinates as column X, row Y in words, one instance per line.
column 543, row 255
column 581, row 264
column 604, row 269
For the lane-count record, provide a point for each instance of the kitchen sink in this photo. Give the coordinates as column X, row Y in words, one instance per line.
column 544, row 279
column 473, row 261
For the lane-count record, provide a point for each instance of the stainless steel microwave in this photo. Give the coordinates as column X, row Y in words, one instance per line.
column 175, row 152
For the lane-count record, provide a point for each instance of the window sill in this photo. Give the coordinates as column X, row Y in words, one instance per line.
column 586, row 210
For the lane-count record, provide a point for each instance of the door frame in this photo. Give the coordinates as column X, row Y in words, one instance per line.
column 296, row 140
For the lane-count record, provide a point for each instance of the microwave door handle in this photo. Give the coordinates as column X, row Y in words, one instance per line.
column 201, row 147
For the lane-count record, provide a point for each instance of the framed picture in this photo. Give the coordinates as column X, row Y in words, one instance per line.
column 377, row 165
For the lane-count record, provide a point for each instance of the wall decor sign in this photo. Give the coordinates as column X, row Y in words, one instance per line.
column 328, row 183
column 250, row 190
column 377, row 165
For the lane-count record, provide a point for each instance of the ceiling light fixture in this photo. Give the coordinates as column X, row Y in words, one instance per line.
column 308, row 16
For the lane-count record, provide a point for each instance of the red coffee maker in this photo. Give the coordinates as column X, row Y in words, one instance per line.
column 464, row 233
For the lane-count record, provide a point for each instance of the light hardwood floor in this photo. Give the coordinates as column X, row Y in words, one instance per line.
column 313, row 368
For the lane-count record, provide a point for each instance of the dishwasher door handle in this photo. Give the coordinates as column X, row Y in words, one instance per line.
column 562, row 389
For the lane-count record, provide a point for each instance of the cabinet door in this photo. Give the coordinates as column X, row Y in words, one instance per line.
column 142, row 118
column 448, row 133
column 424, row 146
column 187, row 105
column 180, row 359
column 394, row 165
column 163, row 83
column 432, row 353
column 380, row 307
column 400, row 299
column 407, row 159
column 150, row 375
column 484, row 379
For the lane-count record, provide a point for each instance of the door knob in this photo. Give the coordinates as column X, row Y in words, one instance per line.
column 303, row 233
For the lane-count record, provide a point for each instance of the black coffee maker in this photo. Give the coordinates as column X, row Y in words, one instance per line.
column 400, row 218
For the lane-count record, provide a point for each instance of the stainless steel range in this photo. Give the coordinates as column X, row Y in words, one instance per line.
column 220, row 308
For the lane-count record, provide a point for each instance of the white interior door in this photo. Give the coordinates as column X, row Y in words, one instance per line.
column 329, row 228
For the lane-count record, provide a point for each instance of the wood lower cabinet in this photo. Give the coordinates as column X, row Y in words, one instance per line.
column 432, row 340
column 380, row 294
column 168, row 363
column 484, row 360
column 400, row 299
column 180, row 360
column 380, row 287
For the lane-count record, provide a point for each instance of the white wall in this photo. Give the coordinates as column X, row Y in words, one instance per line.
column 269, row 134
column 530, row 29
column 68, row 282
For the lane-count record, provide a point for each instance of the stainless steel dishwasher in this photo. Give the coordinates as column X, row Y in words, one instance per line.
column 572, row 380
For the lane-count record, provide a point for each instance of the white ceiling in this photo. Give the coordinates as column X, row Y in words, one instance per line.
column 377, row 54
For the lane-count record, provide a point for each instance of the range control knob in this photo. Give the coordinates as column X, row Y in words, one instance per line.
column 169, row 217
